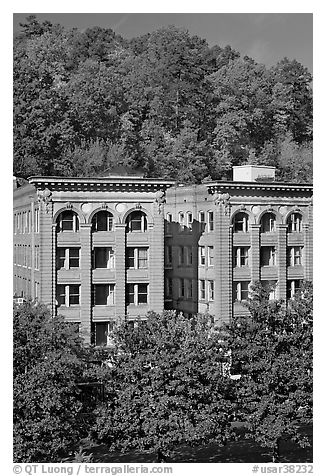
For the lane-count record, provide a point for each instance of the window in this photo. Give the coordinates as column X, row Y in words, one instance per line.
column 168, row 287
column 103, row 294
column 189, row 220
column 28, row 221
column 103, row 331
column 188, row 255
column 188, row 288
column 202, row 221
column 37, row 220
column 136, row 222
column 181, row 221
column 68, row 294
column 137, row 258
column 169, row 219
column 292, row 288
column 180, row 255
column 268, row 256
column 202, row 256
column 137, row 294
column 68, row 258
column 295, row 223
column 102, row 221
column 210, row 290
column 103, row 257
column 168, row 255
column 241, row 223
column 202, row 290
column 37, row 257
column 295, row 256
column 240, row 290
column 240, row 256
column 210, row 257
column 268, row 222
column 67, row 221
column 270, row 286
column 210, row 219
column 181, row 287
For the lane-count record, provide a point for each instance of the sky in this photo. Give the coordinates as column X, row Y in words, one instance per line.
column 265, row 37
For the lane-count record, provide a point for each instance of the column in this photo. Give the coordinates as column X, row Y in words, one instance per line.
column 223, row 263
column 120, row 270
column 156, row 260
column 281, row 253
column 32, row 232
column 308, row 252
column 47, row 256
column 86, row 281
column 255, row 252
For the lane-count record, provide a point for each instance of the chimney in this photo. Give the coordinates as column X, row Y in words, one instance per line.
column 253, row 173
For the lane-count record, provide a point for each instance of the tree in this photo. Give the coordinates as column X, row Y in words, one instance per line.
column 167, row 386
column 272, row 350
column 48, row 362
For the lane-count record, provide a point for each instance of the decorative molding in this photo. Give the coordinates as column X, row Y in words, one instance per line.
column 69, row 206
column 44, row 197
column 222, row 200
column 138, row 206
column 104, row 206
column 160, row 200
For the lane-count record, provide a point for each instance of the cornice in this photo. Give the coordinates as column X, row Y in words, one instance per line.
column 275, row 186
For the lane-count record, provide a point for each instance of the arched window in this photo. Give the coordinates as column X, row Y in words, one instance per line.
column 241, row 223
column 268, row 223
column 102, row 221
column 136, row 221
column 294, row 223
column 68, row 221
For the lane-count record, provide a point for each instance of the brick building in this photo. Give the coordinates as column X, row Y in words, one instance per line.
column 100, row 249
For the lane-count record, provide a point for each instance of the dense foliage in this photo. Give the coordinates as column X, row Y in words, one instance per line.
column 167, row 387
column 49, row 361
column 165, row 102
column 272, row 349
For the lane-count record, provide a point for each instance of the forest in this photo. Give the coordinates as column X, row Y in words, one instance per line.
column 166, row 103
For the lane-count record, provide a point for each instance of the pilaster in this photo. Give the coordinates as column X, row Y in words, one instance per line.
column 86, row 281
column 255, row 252
column 120, row 265
column 156, row 260
column 47, row 256
column 308, row 252
column 281, row 253
column 223, row 261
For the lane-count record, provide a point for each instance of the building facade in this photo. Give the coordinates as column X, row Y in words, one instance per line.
column 97, row 250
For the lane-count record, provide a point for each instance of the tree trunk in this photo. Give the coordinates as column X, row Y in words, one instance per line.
column 161, row 458
column 276, row 451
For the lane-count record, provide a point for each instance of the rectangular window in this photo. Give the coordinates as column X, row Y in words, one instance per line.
column 68, row 294
column 180, row 255
column 181, row 221
column 103, row 331
column 271, row 287
column 168, row 255
column 168, row 287
column 211, row 290
column 181, row 287
column 37, row 220
column 103, row 294
column 210, row 250
column 240, row 290
column 210, row 219
column 37, row 257
column 295, row 256
column 103, row 257
column 292, row 288
column 240, row 256
column 202, row 256
column 268, row 256
column 188, row 255
column 137, row 258
column 202, row 290
column 188, row 288
column 68, row 258
column 137, row 294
